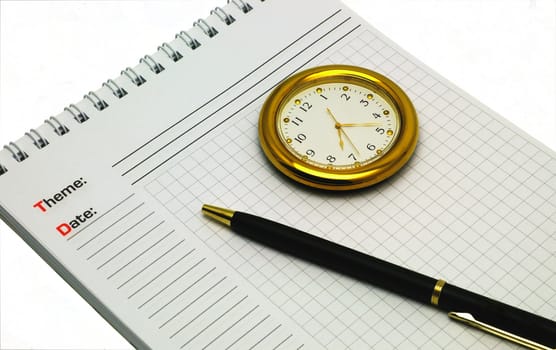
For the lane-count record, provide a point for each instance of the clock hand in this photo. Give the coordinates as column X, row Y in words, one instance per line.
column 338, row 126
column 340, row 137
column 337, row 123
column 360, row 124
column 349, row 139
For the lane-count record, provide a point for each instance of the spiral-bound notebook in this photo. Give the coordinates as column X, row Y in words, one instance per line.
column 121, row 221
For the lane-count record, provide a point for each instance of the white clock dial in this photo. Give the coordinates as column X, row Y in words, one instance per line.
column 338, row 125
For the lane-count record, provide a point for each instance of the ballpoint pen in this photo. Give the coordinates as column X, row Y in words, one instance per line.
column 489, row 315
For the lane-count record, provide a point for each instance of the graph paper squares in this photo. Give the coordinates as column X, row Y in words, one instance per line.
column 459, row 210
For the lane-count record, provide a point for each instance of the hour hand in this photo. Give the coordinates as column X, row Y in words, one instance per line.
column 340, row 137
column 337, row 126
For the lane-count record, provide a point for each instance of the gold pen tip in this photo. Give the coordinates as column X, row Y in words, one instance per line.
column 221, row 215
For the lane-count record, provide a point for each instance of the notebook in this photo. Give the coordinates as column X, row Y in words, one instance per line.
column 497, row 240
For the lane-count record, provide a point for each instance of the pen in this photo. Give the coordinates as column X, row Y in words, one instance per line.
column 494, row 317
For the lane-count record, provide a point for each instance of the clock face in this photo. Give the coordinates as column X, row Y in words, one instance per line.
column 338, row 125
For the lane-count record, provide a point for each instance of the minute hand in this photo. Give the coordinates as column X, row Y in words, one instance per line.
column 360, row 124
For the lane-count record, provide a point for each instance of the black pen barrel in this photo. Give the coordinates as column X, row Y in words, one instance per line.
column 335, row 257
column 394, row 278
column 499, row 315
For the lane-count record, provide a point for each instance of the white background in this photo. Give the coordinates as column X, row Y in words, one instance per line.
column 53, row 52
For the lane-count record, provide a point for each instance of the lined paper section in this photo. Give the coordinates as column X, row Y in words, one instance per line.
column 180, row 291
column 185, row 118
column 179, row 137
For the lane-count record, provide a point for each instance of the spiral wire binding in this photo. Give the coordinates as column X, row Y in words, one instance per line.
column 17, row 153
column 223, row 15
column 133, row 76
column 79, row 116
column 243, row 6
column 58, row 127
column 99, row 103
column 38, row 140
column 154, row 66
column 188, row 40
column 209, row 30
column 117, row 91
column 170, row 52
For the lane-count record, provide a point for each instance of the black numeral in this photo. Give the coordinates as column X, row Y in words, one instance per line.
column 380, row 131
column 376, row 115
column 297, row 121
column 345, row 96
column 310, row 153
column 300, row 138
column 331, row 159
column 365, row 103
column 305, row 106
column 351, row 155
column 371, row 147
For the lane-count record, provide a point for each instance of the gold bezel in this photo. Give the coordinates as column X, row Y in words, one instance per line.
column 338, row 179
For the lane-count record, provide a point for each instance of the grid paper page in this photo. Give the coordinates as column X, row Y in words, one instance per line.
column 473, row 206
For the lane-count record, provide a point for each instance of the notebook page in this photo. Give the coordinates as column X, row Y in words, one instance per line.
column 247, row 203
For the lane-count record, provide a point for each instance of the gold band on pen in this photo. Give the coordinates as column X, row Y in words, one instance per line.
column 436, row 292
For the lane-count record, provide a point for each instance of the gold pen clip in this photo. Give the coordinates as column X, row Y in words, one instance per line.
column 471, row 321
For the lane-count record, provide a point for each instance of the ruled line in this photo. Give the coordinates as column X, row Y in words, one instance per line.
column 101, row 216
column 138, row 256
column 239, row 95
column 213, row 322
column 191, row 303
column 227, row 89
column 132, row 243
column 162, row 273
column 110, row 226
column 206, row 309
column 230, row 327
column 151, row 263
column 121, row 235
column 249, row 103
column 171, row 283
column 248, row 331
column 266, row 336
column 282, row 342
column 183, row 291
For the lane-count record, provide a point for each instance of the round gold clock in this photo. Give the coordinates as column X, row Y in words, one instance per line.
column 338, row 127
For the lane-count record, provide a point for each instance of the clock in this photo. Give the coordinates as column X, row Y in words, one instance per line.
column 338, row 127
